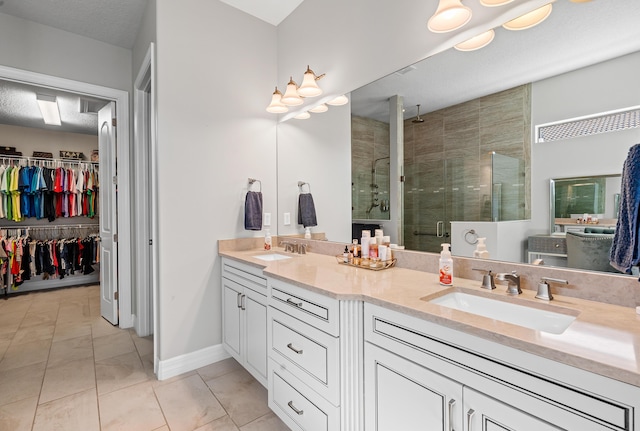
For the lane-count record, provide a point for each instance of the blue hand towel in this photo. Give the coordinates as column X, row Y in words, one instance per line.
column 253, row 211
column 625, row 251
column 306, row 210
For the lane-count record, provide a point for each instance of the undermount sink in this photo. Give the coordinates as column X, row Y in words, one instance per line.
column 529, row 317
column 271, row 257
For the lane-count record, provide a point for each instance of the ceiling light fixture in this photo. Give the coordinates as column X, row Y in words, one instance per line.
column 450, row 15
column 494, row 3
column 309, row 87
column 477, row 42
column 49, row 108
column 302, row 116
column 319, row 109
column 339, row 101
column 291, row 96
column 276, row 106
column 530, row 19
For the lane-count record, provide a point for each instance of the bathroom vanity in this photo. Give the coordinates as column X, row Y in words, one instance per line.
column 354, row 349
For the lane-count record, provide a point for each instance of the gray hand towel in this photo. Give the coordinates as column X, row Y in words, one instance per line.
column 625, row 251
column 306, row 210
column 253, row 211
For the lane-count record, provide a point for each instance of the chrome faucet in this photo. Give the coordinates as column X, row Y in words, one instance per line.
column 289, row 246
column 302, row 248
column 513, row 282
column 488, row 281
column 544, row 291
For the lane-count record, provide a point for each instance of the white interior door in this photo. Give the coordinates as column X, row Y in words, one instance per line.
column 108, row 214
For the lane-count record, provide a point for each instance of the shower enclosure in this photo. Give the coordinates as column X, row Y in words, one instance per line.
column 460, row 189
column 370, row 191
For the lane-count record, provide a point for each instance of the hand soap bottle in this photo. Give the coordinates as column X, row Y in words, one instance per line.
column 267, row 240
column 445, row 269
column 481, row 251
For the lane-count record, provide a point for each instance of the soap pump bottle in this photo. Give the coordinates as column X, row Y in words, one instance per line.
column 445, row 267
column 267, row 240
column 307, row 233
column 481, row 251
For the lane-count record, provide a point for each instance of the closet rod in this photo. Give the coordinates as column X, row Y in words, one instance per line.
column 62, row 226
column 46, row 159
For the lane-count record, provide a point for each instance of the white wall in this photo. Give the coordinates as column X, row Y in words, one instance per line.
column 501, row 239
column 38, row 48
column 216, row 70
column 317, row 151
column 28, row 139
column 146, row 35
column 602, row 87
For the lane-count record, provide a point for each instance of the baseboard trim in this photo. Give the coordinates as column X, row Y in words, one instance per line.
column 190, row 361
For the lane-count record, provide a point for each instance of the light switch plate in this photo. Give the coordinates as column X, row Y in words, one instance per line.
column 287, row 219
column 267, row 219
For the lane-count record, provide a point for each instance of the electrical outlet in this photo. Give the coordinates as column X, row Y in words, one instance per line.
column 287, row 219
column 267, row 219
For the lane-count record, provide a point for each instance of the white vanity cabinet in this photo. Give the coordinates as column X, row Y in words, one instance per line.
column 420, row 375
column 304, row 358
column 244, row 316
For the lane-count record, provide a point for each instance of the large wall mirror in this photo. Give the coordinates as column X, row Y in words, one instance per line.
column 470, row 154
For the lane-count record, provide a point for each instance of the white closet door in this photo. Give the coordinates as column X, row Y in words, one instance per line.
column 108, row 214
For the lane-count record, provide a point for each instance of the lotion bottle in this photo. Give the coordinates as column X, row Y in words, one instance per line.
column 481, row 251
column 445, row 269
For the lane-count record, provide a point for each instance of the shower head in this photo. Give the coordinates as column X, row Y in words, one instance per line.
column 418, row 119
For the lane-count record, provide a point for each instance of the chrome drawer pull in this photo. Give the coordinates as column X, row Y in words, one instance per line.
column 298, row 412
column 239, row 300
column 470, row 414
column 297, row 304
column 290, row 345
column 452, row 403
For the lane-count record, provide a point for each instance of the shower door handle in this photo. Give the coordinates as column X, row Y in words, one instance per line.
column 440, row 229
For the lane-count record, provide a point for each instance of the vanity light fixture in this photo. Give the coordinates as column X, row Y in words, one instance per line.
column 450, row 15
column 319, row 109
column 339, row 101
column 493, row 3
column 530, row 19
column 49, row 108
column 291, row 96
column 309, row 86
column 276, row 106
column 477, row 42
column 303, row 116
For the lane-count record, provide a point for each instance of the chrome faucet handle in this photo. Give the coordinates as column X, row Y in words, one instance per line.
column 544, row 291
column 488, row 281
column 302, row 248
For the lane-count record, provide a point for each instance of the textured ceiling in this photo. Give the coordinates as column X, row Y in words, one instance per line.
column 271, row 11
column 574, row 36
column 115, row 22
column 18, row 107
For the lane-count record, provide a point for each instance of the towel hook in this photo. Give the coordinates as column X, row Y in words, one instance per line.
column 302, row 183
column 253, row 180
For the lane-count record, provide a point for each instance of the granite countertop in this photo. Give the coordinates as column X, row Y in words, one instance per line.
column 603, row 339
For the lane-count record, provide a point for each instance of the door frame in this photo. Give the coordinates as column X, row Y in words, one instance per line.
column 121, row 98
column 144, row 159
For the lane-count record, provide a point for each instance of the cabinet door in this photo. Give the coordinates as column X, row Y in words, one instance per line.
column 401, row 395
column 255, row 314
column 231, row 317
column 483, row 413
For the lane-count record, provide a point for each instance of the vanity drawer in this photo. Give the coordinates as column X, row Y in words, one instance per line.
column 317, row 310
column 308, row 353
column 548, row 244
column 300, row 408
column 245, row 275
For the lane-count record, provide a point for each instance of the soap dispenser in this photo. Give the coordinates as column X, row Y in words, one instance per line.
column 445, row 269
column 481, row 251
column 267, row 240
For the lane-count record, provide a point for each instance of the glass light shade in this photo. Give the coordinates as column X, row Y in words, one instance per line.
column 530, row 19
column 276, row 106
column 302, row 116
column 319, row 109
column 450, row 15
column 291, row 96
column 339, row 101
column 477, row 42
column 309, row 86
column 492, row 3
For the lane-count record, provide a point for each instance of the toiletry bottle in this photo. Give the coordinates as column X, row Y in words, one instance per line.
column 481, row 251
column 307, row 233
column 364, row 250
column 446, row 266
column 355, row 250
column 373, row 248
column 345, row 255
column 267, row 240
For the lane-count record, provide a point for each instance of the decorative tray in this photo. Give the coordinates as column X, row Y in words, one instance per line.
column 383, row 265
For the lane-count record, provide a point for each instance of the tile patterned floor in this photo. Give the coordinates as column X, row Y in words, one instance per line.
column 63, row 367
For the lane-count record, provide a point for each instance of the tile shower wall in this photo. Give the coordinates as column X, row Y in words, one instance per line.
column 369, row 142
column 453, row 147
